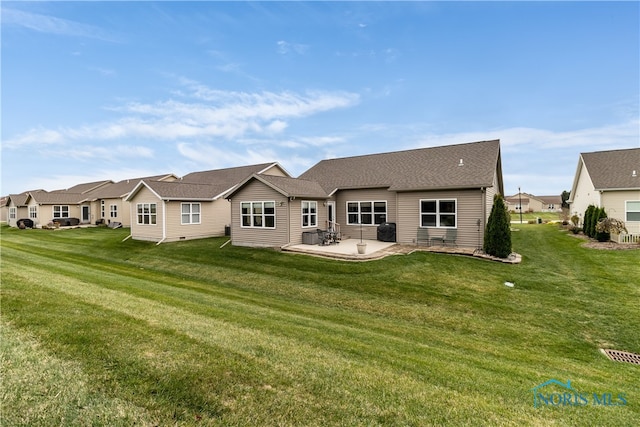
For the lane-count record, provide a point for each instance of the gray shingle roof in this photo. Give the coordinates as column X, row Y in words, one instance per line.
column 613, row 169
column 178, row 190
column 294, row 187
column 225, row 177
column 87, row 186
column 120, row 188
column 59, row 197
column 453, row 166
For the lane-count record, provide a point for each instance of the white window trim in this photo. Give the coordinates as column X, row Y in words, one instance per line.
column 113, row 211
column 155, row 215
column 102, row 210
column 61, row 211
column 437, row 213
column 33, row 212
column 251, row 215
column 626, row 211
column 310, row 215
column 373, row 212
column 13, row 213
column 191, row 214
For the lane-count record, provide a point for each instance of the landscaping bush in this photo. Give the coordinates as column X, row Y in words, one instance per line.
column 588, row 216
column 497, row 236
column 601, row 236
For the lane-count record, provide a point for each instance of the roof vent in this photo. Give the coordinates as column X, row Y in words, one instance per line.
column 461, row 163
column 634, row 173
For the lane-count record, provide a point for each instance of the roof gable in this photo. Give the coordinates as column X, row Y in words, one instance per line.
column 286, row 185
column 613, row 170
column 123, row 188
column 470, row 165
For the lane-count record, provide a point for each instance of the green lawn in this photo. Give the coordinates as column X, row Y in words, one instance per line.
column 100, row 331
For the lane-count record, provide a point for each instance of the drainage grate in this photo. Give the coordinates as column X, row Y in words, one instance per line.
column 622, row 356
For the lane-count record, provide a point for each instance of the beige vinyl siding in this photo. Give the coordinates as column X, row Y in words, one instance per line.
column 38, row 220
column 142, row 231
column 295, row 214
column 74, row 211
column 274, row 170
column 256, row 191
column 369, row 232
column 614, row 202
column 123, row 211
column 21, row 213
column 213, row 217
column 468, row 207
column 585, row 194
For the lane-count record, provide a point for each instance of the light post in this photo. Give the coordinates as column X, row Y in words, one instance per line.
column 520, row 202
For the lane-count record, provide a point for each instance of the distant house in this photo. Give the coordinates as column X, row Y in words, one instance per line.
column 609, row 179
column 107, row 203
column 190, row 208
column 530, row 203
column 16, row 206
column 440, row 190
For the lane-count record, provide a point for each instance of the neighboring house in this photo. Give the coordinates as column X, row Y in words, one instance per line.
column 440, row 189
column 190, row 208
column 551, row 203
column 16, row 208
column 531, row 203
column 609, row 179
column 4, row 210
column 60, row 205
column 107, row 203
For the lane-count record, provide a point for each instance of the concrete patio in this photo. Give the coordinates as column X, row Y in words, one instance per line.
column 347, row 250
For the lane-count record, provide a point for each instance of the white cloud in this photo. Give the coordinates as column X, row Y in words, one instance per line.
column 215, row 114
column 284, row 47
column 52, row 25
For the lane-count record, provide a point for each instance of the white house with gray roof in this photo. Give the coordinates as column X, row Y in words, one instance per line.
column 611, row 180
column 438, row 189
column 189, row 208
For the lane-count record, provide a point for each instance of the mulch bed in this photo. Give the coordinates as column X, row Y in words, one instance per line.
column 610, row 246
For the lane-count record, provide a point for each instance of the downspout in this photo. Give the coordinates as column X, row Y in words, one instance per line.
column 483, row 195
column 164, row 224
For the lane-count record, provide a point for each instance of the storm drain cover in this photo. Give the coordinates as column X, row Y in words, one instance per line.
column 622, row 356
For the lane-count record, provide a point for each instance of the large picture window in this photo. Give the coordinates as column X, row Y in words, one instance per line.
column 258, row 214
column 190, row 213
column 309, row 214
column 438, row 213
column 367, row 213
column 60, row 211
column 147, row 213
column 632, row 209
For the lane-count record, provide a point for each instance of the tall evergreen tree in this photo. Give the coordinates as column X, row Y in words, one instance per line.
column 497, row 235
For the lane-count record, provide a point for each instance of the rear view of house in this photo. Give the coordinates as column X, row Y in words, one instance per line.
column 444, row 191
column 190, row 208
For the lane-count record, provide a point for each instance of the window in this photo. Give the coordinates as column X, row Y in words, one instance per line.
column 60, row 211
column 367, row 213
column 102, row 209
column 12, row 213
column 309, row 214
column 438, row 213
column 552, row 206
column 33, row 212
column 632, row 209
column 190, row 213
column 147, row 213
column 258, row 214
column 113, row 211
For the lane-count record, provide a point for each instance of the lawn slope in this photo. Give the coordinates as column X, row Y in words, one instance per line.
column 101, row 331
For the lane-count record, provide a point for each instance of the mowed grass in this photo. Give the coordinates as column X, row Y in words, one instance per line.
column 101, row 331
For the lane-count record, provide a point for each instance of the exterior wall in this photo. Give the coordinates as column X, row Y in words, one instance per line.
column 584, row 194
column 295, row 216
column 123, row 211
column 279, row 236
column 213, row 218
column 469, row 211
column 45, row 212
column 614, row 205
column 151, row 232
column 369, row 232
column 274, row 170
column 37, row 222
column 21, row 212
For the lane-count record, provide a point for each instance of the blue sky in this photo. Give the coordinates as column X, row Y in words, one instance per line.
column 117, row 90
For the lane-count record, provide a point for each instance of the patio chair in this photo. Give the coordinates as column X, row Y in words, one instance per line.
column 324, row 238
column 450, row 236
